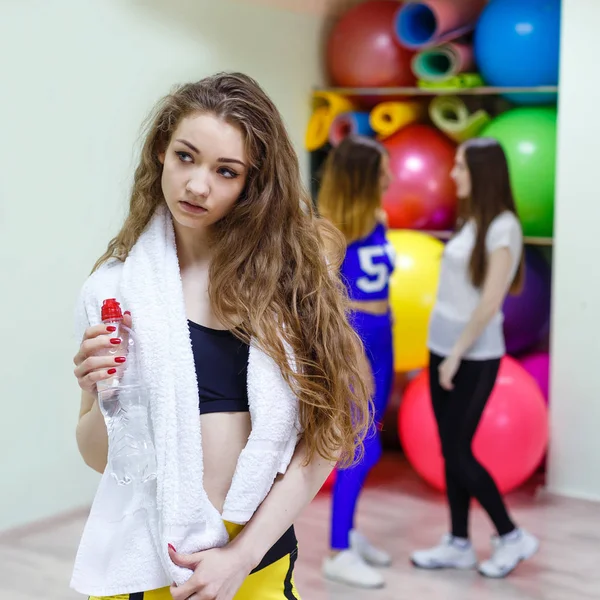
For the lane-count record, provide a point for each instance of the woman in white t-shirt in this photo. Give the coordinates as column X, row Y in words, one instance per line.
column 480, row 265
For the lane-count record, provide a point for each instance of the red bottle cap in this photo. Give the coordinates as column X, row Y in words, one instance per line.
column 111, row 310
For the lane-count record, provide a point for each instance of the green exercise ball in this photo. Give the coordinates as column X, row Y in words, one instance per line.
column 528, row 136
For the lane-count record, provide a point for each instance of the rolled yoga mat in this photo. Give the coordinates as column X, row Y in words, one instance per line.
column 460, row 81
column 350, row 123
column 326, row 107
column 431, row 22
column 442, row 62
column 450, row 115
column 388, row 117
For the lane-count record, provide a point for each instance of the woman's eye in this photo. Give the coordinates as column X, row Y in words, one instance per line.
column 227, row 173
column 185, row 157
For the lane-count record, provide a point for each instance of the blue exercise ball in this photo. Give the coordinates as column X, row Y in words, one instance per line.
column 517, row 44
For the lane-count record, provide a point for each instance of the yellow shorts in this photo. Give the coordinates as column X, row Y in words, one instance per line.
column 274, row 582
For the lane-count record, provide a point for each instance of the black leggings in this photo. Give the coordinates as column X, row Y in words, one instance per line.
column 458, row 412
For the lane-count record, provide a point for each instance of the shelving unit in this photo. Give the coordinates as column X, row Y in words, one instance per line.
column 416, row 91
column 490, row 94
column 528, row 240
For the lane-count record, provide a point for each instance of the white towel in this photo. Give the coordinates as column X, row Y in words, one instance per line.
column 149, row 285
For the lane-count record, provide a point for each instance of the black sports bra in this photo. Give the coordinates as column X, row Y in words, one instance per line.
column 221, row 361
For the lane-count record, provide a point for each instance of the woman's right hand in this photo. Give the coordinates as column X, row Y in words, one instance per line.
column 93, row 363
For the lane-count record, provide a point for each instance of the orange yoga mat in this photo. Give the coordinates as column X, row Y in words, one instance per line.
column 388, row 117
column 326, row 107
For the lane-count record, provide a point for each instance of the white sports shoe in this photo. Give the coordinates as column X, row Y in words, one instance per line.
column 369, row 553
column 349, row 568
column 509, row 551
column 448, row 555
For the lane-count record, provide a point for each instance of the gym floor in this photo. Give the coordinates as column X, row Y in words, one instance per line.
column 399, row 513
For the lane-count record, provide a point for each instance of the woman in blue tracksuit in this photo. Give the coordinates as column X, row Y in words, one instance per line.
column 356, row 176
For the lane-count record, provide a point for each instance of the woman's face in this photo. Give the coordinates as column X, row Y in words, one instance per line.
column 204, row 170
column 460, row 174
column 385, row 175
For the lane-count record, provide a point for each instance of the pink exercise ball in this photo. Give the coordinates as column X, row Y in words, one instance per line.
column 537, row 365
column 422, row 194
column 362, row 50
column 511, row 439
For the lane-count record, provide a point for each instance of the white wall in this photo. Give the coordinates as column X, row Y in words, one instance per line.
column 78, row 77
column 575, row 393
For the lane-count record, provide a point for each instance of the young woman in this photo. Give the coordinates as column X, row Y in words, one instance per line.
column 355, row 177
column 238, row 316
column 480, row 265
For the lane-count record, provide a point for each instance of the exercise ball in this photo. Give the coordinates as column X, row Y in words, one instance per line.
column 422, row 194
column 413, row 288
column 511, row 438
column 362, row 50
column 528, row 136
column 516, row 44
column 537, row 365
column 527, row 315
column 546, row 252
column 329, row 482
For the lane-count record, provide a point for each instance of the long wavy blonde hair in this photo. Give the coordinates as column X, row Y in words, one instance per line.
column 270, row 268
column 350, row 193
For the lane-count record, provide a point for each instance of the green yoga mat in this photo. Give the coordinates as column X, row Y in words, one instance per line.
column 443, row 62
column 450, row 115
column 463, row 80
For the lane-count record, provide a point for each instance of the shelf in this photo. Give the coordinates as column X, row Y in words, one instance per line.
column 528, row 240
column 415, row 91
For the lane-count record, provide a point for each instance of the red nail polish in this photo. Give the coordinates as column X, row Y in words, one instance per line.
column 111, row 371
column 127, row 313
column 110, row 329
column 120, row 359
column 115, row 341
column 172, row 547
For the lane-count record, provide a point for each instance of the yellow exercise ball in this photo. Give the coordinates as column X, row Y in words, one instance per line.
column 413, row 289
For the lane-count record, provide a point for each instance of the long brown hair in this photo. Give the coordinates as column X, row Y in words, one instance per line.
column 350, row 192
column 269, row 268
column 490, row 196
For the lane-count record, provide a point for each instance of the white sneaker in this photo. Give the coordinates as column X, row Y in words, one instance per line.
column 509, row 551
column 448, row 555
column 349, row 568
column 369, row 553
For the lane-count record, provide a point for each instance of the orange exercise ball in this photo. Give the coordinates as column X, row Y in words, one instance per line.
column 362, row 50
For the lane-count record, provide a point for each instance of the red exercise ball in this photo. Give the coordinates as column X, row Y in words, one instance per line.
column 511, row 439
column 362, row 50
column 329, row 482
column 422, row 194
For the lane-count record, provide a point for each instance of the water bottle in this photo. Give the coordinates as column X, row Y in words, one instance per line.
column 124, row 405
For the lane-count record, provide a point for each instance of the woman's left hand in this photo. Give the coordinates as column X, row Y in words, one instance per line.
column 447, row 370
column 218, row 574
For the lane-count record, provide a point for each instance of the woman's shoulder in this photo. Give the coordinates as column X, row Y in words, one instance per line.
column 375, row 234
column 504, row 230
column 381, row 218
column 506, row 222
column 506, row 219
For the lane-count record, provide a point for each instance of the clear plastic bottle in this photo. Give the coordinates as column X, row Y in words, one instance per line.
column 124, row 405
